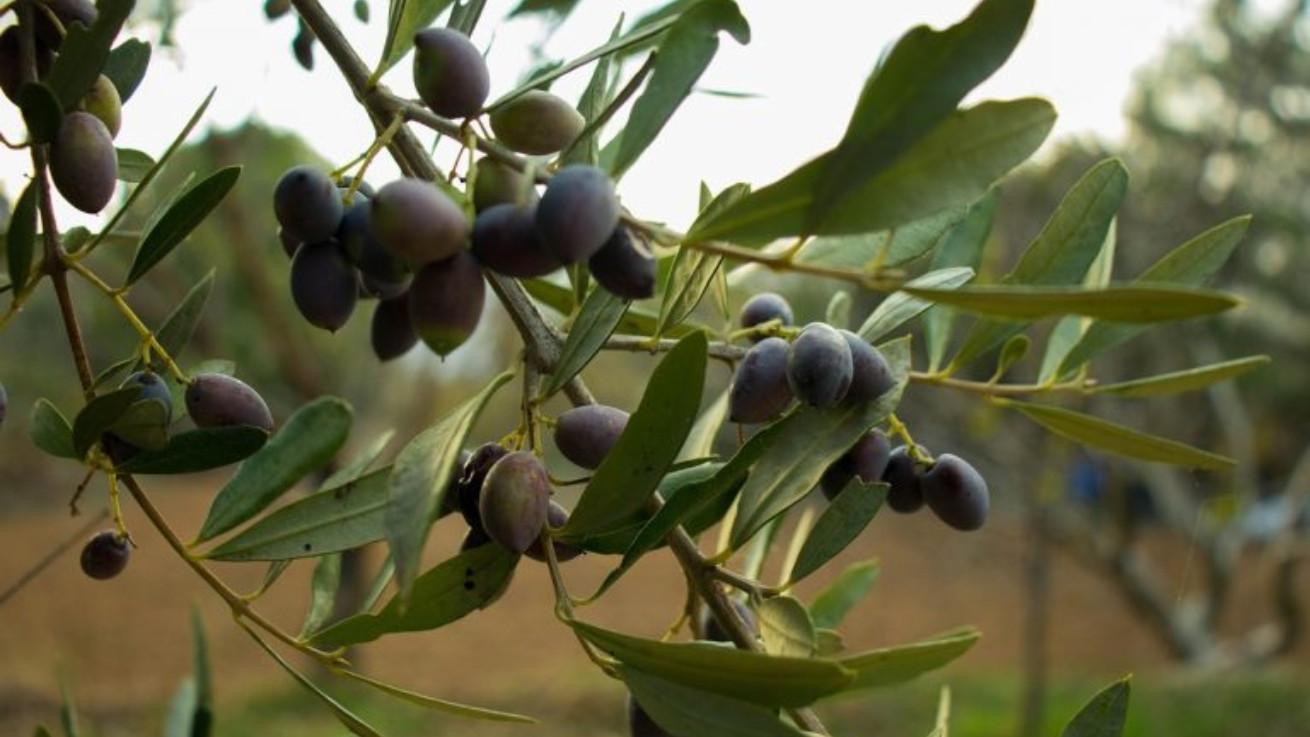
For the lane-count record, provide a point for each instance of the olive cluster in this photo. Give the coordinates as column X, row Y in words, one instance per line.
column 824, row 367
column 83, row 162
column 504, row 497
column 413, row 247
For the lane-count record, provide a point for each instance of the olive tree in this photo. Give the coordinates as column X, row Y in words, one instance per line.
column 531, row 211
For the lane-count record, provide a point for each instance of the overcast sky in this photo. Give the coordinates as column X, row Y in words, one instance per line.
column 806, row 66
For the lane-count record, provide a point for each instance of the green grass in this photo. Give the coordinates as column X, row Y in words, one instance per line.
column 1274, row 703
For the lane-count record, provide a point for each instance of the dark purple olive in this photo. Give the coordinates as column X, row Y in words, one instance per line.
column 760, row 391
column 956, row 492
column 819, row 365
column 585, row 435
column 215, row 400
column 105, row 555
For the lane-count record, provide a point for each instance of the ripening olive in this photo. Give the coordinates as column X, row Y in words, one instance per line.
column 556, row 516
column 307, row 204
column 624, row 268
column 105, row 555
column 871, row 377
column 819, row 365
column 514, row 500
column 764, row 307
column 83, row 163
column 904, row 490
column 355, row 234
column 505, row 240
column 586, row 434
column 324, row 285
column 578, row 213
column 445, row 302
column 102, row 101
column 537, row 123
column 449, row 73
column 867, row 459
column 956, row 492
column 416, row 222
column 215, row 400
column 496, row 183
column 392, row 331
column 760, row 391
column 472, row 475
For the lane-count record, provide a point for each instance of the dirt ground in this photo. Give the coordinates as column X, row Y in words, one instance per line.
column 124, row 644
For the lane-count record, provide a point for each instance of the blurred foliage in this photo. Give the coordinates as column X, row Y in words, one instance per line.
column 1216, row 129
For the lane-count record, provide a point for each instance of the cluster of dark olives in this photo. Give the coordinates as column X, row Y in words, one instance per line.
column 105, row 555
column 403, row 244
column 504, row 497
column 83, row 163
column 822, row 366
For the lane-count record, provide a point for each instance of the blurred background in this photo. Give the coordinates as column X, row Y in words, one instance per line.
column 1091, row 567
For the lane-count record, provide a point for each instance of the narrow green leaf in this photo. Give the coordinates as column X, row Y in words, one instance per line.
column 599, row 316
column 634, row 321
column 700, row 441
column 441, row 705
column 181, row 218
column 451, row 590
column 1191, row 264
column 768, row 680
column 884, row 248
column 347, row 718
column 126, row 66
column 1069, row 330
column 597, row 96
column 693, row 270
column 1126, row 303
column 50, row 431
column 198, row 450
column 41, row 110
column 650, row 442
column 692, row 712
column 635, row 37
column 688, row 494
column 1103, row 716
column 1124, row 441
column 323, row 587
column 892, row 665
column 99, row 414
column 407, row 17
column 918, row 84
column 953, row 166
column 85, row 51
column 810, row 441
column 329, row 521
column 137, row 191
column 832, row 604
column 181, row 709
column 899, row 307
column 68, row 711
column 962, row 248
column 682, row 57
column 843, row 520
column 1184, row 381
column 20, row 240
column 419, row 479
column 558, row 8
column 465, row 15
column 181, row 323
column 838, row 311
column 306, row 442
column 202, row 716
column 359, row 464
column 1062, row 252
column 133, row 165
column 785, row 627
column 144, row 424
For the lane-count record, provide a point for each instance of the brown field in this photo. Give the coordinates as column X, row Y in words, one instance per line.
column 123, row 645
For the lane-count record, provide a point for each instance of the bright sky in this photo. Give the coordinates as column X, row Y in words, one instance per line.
column 806, row 67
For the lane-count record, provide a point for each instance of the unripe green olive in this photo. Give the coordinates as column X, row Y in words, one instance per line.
column 536, row 123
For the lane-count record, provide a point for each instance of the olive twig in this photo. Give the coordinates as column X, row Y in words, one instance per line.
column 147, row 335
